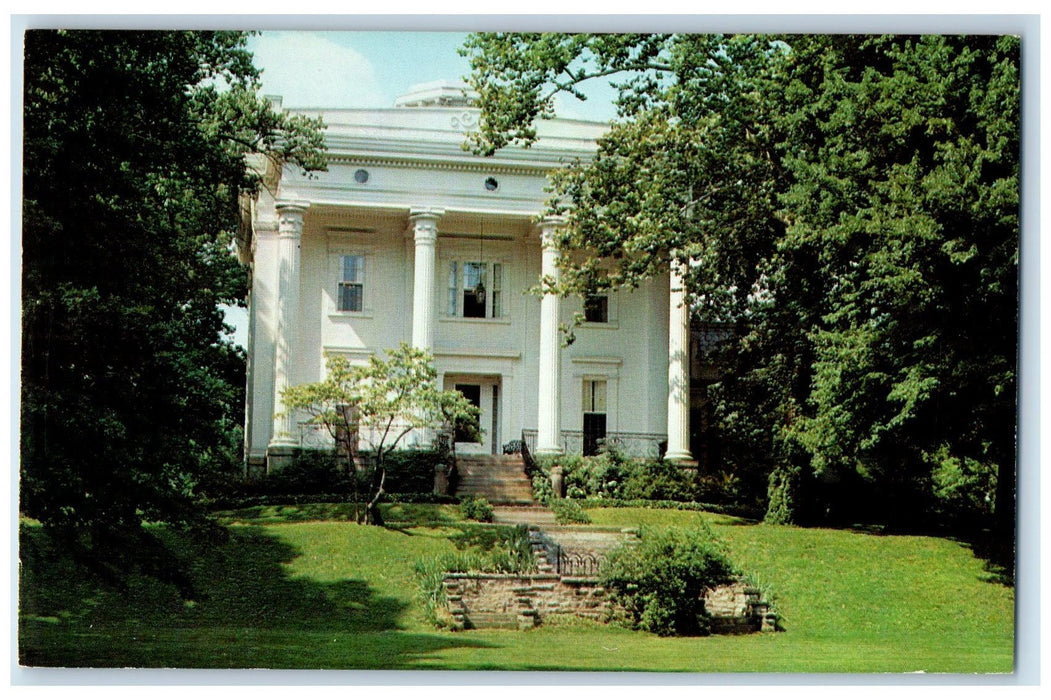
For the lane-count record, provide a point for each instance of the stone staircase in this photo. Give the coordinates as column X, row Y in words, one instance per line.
column 499, row 478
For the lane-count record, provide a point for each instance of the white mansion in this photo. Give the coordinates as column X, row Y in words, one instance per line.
column 408, row 237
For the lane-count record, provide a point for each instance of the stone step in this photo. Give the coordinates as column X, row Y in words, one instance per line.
column 491, row 620
column 500, row 479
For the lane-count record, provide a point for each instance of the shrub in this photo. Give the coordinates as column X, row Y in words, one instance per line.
column 476, row 508
column 601, row 476
column 542, row 491
column 411, row 471
column 659, row 480
column 670, row 505
column 311, row 471
column 568, row 511
column 660, row 581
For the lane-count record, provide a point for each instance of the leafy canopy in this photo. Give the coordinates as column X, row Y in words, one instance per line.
column 848, row 204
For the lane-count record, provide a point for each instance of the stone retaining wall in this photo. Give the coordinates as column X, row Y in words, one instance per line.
column 522, row 601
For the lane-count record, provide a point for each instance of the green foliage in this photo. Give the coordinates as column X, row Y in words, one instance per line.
column 411, row 471
column 311, row 472
column 613, row 475
column 134, row 172
column 380, row 402
column 505, row 550
column 476, row 508
column 781, row 506
column 663, row 505
column 661, row 580
column 568, row 511
column 600, row 476
column 850, row 205
column 542, row 491
column 660, row 481
column 964, row 488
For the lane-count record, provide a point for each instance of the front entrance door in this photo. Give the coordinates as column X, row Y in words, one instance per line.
column 467, row 431
column 483, row 392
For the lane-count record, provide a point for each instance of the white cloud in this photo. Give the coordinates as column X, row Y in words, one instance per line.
column 307, row 69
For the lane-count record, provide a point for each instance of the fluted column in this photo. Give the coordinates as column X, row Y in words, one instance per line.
column 425, row 233
column 289, row 232
column 549, row 425
column 678, row 369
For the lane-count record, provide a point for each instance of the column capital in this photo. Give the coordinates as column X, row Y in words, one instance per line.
column 552, row 222
column 423, row 222
column 425, row 214
column 294, row 205
column 290, row 217
column 549, row 226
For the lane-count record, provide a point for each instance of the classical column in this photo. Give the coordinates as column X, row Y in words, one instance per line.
column 678, row 369
column 549, row 425
column 425, row 233
column 283, row 437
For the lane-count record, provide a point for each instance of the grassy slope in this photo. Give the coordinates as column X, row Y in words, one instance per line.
column 288, row 592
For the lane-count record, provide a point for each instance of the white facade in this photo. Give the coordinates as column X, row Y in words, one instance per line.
column 390, row 245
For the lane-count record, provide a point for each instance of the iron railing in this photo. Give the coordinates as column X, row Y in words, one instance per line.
column 648, row 445
column 569, row 563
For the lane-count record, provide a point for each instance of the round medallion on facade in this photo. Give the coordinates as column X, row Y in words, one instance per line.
column 361, row 176
column 491, row 184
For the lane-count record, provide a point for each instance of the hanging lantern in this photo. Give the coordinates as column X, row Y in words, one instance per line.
column 479, row 289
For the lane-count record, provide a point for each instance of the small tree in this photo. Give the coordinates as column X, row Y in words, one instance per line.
column 380, row 403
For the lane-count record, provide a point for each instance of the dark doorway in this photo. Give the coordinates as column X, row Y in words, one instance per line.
column 594, row 415
column 467, row 431
column 594, row 432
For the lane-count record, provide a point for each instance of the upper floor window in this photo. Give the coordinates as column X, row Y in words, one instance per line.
column 351, row 292
column 596, row 308
column 475, row 290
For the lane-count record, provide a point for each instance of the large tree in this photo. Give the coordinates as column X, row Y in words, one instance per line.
column 133, row 169
column 849, row 204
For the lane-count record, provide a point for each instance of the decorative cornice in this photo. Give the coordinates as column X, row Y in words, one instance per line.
column 489, row 168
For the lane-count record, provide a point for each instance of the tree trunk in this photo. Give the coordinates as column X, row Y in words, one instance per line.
column 373, row 508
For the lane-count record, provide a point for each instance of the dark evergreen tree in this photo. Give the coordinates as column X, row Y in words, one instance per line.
column 133, row 171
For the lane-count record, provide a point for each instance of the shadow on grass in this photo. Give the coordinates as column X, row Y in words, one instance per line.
column 69, row 619
column 732, row 520
column 998, row 557
column 293, row 513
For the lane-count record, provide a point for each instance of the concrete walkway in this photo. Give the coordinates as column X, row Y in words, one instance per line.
column 523, row 515
column 572, row 538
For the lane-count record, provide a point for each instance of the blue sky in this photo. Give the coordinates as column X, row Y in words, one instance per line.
column 371, row 68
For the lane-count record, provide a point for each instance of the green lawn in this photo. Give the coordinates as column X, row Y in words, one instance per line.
column 303, row 588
